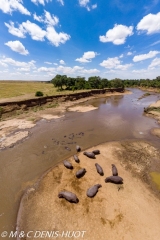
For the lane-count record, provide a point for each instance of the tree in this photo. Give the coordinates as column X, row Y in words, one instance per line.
column 94, row 82
column 59, row 81
column 70, row 83
column 80, row 83
column 105, row 83
column 117, row 83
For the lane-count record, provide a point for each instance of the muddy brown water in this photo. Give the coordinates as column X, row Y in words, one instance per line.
column 117, row 118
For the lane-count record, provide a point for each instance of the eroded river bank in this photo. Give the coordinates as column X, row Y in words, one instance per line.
column 115, row 118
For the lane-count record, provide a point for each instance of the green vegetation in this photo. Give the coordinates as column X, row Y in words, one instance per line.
column 26, row 90
column 79, row 83
column 156, row 178
column 144, row 95
column 147, row 83
column 39, row 94
column 149, row 109
column 59, row 83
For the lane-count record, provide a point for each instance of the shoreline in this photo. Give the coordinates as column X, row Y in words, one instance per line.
column 153, row 110
column 12, row 108
column 12, row 128
column 39, row 202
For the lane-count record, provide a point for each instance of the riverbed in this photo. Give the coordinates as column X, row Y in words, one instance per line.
column 114, row 118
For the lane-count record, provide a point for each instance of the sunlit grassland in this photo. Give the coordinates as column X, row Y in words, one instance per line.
column 26, row 89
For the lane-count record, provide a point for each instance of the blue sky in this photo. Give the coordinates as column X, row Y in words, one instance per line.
column 42, row 38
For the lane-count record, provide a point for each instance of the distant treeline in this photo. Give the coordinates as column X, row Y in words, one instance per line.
column 154, row 83
column 78, row 83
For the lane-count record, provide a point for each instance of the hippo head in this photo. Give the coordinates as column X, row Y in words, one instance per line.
column 60, row 195
column 107, row 179
column 77, row 200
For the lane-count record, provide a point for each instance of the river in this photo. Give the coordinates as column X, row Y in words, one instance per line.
column 116, row 118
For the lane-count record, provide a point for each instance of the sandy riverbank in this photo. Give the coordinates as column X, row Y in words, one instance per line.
column 12, row 130
column 153, row 110
column 129, row 212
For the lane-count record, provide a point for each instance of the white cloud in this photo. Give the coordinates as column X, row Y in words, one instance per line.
column 155, row 63
column 129, row 53
column 117, row 35
column 61, row 2
column 155, row 43
column 110, row 71
column 82, row 60
column 141, row 57
column 76, row 69
column 128, row 46
column 40, row 1
column 84, row 3
column 140, row 71
column 87, row 56
column 150, row 23
column 94, row 6
column 38, row 18
column 45, row 69
column 37, row 33
column 56, row 38
column 114, row 63
column 89, row 71
column 3, row 64
column 49, row 19
column 17, row 46
column 26, row 69
column 48, row 63
column 15, row 63
column 67, row 70
column 62, row 62
column 19, row 32
column 34, row 30
column 123, row 66
column 110, row 62
column 121, row 56
column 8, row 6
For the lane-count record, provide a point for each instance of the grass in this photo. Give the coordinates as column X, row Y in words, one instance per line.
column 156, row 178
column 26, row 89
column 149, row 109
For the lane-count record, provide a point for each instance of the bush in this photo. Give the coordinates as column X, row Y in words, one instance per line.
column 38, row 94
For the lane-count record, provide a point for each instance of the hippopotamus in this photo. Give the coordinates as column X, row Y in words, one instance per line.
column 92, row 191
column 89, row 154
column 80, row 173
column 76, row 158
column 99, row 169
column 78, row 148
column 69, row 196
column 114, row 179
column 67, row 164
column 114, row 170
column 96, row 152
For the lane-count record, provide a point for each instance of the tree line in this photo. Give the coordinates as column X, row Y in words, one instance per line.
column 79, row 83
column 154, row 83
column 62, row 82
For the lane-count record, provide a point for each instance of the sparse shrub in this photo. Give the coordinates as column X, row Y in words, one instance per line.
column 39, row 94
